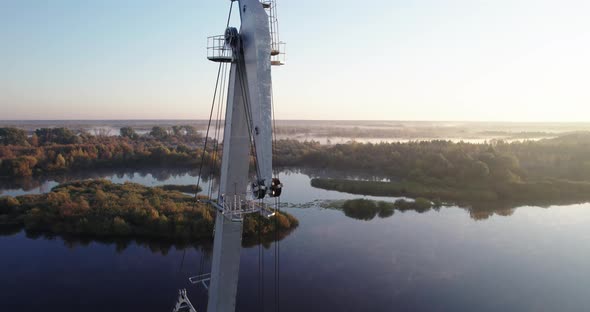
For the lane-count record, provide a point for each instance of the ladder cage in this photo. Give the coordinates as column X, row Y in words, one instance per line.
column 279, row 58
column 277, row 51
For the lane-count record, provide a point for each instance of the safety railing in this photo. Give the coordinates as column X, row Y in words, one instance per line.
column 218, row 50
column 236, row 207
column 278, row 55
column 277, row 51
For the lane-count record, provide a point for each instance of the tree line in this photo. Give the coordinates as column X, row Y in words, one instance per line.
column 432, row 162
column 55, row 150
column 446, row 162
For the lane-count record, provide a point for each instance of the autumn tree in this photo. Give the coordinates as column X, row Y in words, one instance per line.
column 57, row 136
column 34, row 140
column 159, row 133
column 191, row 131
column 12, row 136
column 177, row 130
column 128, row 132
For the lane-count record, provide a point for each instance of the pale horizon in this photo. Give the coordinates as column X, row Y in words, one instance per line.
column 8, row 121
column 457, row 61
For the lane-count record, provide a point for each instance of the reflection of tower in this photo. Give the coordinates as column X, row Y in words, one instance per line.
column 248, row 131
column 183, row 304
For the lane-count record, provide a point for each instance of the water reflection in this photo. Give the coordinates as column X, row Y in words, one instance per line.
column 298, row 191
column 161, row 247
column 367, row 209
column 313, row 173
column 151, row 177
column 9, row 229
column 413, row 260
column 157, row 246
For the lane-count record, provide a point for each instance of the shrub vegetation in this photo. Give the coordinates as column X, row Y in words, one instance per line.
column 104, row 209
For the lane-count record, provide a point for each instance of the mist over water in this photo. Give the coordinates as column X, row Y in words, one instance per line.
column 339, row 132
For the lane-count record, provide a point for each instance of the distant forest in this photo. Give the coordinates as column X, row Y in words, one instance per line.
column 56, row 150
column 557, row 166
column 60, row 149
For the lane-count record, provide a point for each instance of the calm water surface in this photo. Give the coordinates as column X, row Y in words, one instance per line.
column 532, row 259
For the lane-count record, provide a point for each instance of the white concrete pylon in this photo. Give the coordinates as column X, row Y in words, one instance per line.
column 248, row 117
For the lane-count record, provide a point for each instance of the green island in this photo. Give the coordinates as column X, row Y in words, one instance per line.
column 541, row 173
column 510, row 194
column 100, row 208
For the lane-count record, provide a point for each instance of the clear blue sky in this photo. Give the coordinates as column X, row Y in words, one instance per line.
column 512, row 60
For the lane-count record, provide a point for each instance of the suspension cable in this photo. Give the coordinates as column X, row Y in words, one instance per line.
column 181, row 262
column 248, row 118
column 208, row 127
column 217, row 134
column 220, row 112
column 276, row 172
column 231, row 5
column 212, row 108
column 201, row 262
column 278, row 257
column 274, row 128
column 276, row 263
column 221, row 117
column 260, row 266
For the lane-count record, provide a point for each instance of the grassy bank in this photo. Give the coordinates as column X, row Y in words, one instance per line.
column 547, row 192
column 191, row 189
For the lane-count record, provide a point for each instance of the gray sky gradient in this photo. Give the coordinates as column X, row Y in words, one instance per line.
column 502, row 60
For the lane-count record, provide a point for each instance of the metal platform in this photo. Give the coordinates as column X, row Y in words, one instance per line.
column 218, row 50
column 201, row 279
column 237, row 207
column 266, row 4
column 278, row 55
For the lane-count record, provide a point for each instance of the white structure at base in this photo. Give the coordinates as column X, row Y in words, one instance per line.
column 183, row 304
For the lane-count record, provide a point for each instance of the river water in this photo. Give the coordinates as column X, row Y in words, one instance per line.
column 524, row 259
